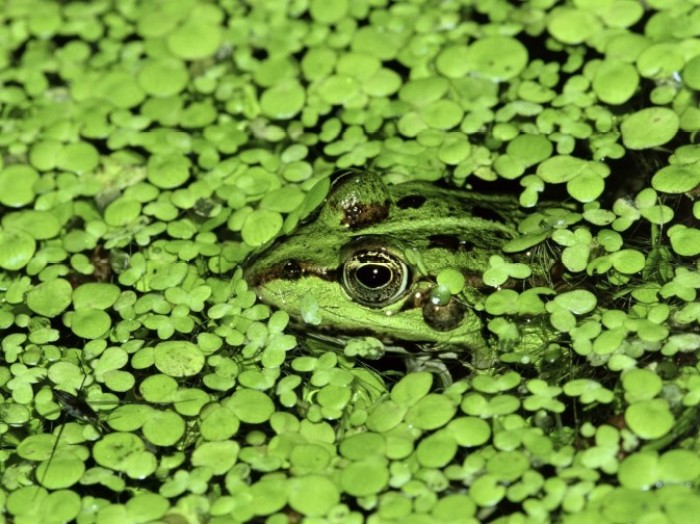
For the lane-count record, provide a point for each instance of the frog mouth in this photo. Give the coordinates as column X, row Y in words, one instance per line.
column 413, row 318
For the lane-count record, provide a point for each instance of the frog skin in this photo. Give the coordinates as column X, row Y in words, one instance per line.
column 370, row 255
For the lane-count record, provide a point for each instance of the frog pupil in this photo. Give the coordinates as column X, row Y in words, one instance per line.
column 373, row 276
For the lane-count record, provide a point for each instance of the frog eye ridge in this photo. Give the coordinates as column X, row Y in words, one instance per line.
column 356, row 200
column 374, row 277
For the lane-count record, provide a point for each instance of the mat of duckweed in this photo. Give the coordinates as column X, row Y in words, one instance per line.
column 149, row 146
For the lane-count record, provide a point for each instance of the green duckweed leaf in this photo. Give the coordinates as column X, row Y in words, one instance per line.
column 178, row 358
column 147, row 506
column 478, row 405
column 363, row 445
column 588, row 391
column 691, row 73
column 422, row 91
column 436, row 450
column 80, row 157
column 500, row 270
column 122, row 212
column 412, row 388
column 269, row 496
column 195, row 39
column 17, row 185
column 586, row 187
column 649, row 128
column 639, row 471
column 168, row 171
column 50, row 298
column 124, row 452
column 676, row 178
column 95, row 295
column 365, row 477
column 90, row 323
column 59, row 506
column 310, row 458
column 615, row 81
column 41, row 225
column 162, row 77
column 218, row 456
column 453, row 506
column 650, row 419
column 283, row 100
column 386, row 416
column 16, row 249
column 443, row 114
column 261, row 226
column 158, row 388
column 496, row 384
column 508, row 465
column 219, row 423
column 641, row 384
column 469, row 431
column 250, row 406
column 572, row 26
column 328, row 12
column 679, row 466
column 62, row 470
column 685, row 241
column 365, row 347
column 326, row 494
column 164, row 428
column 660, row 60
column 628, row 261
column 502, row 302
column 529, row 149
column 486, row 491
column 451, row 278
column 498, row 58
column 338, row 89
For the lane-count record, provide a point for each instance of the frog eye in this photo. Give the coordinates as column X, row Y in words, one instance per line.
column 375, row 277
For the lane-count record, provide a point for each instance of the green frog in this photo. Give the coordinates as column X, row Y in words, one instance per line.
column 366, row 263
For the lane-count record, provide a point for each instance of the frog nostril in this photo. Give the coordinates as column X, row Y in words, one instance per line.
column 291, row 270
column 411, row 202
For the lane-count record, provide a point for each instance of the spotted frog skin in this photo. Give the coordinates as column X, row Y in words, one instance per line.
column 367, row 260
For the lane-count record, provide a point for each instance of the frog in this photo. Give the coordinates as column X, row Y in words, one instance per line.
column 368, row 260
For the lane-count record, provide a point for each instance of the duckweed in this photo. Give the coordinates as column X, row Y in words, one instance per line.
column 147, row 148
